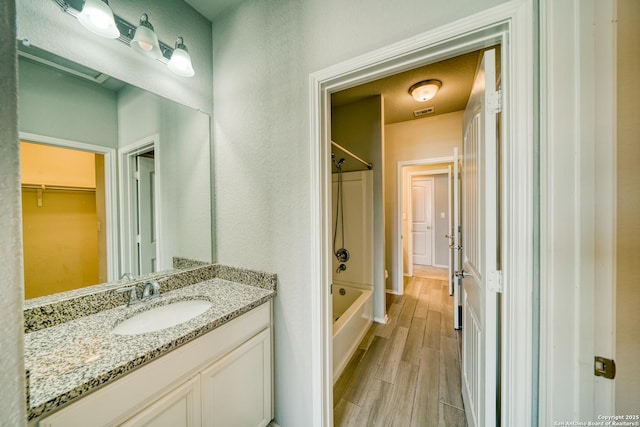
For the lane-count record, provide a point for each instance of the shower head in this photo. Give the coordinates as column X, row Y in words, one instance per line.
column 338, row 163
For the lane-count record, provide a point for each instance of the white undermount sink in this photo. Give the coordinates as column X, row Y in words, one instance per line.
column 162, row 317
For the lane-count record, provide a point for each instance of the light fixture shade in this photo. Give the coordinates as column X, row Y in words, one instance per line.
column 180, row 62
column 425, row 90
column 97, row 17
column 145, row 41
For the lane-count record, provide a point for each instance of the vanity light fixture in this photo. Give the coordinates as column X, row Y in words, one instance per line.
column 145, row 41
column 425, row 90
column 180, row 62
column 97, row 17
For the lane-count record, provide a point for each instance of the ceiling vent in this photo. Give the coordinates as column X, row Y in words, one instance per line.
column 424, row 112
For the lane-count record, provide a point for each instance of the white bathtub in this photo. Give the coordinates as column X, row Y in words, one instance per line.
column 352, row 317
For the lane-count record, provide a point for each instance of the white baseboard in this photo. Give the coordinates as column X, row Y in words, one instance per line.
column 392, row 291
column 381, row 321
column 273, row 424
column 440, row 266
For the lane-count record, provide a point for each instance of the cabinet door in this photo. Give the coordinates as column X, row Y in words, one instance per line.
column 178, row 408
column 236, row 390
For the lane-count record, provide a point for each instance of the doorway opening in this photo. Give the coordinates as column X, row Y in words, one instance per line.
column 496, row 27
column 139, row 184
column 407, row 157
column 68, row 215
column 436, row 169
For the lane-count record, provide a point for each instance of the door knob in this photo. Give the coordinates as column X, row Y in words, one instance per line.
column 461, row 274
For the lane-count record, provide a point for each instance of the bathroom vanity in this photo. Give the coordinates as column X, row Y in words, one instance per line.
column 214, row 369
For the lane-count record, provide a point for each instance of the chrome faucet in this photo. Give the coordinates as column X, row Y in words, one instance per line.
column 133, row 294
column 150, row 290
column 127, row 276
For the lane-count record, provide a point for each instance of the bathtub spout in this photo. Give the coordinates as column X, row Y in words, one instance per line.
column 341, row 268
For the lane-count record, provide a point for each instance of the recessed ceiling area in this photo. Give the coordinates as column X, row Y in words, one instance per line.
column 456, row 75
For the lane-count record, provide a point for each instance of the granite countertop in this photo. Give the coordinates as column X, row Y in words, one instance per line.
column 70, row 359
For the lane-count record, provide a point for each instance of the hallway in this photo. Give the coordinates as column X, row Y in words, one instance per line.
column 407, row 372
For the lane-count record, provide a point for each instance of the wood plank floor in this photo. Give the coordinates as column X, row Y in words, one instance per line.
column 407, row 372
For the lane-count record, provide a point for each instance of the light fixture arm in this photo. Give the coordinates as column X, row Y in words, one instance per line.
column 180, row 44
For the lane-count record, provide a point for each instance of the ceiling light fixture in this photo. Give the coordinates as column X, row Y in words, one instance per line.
column 425, row 90
column 97, row 17
column 180, row 62
column 145, row 41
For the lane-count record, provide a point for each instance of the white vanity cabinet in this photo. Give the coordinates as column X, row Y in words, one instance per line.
column 221, row 379
column 178, row 408
column 236, row 390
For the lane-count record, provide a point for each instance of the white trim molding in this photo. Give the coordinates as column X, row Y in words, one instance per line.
column 578, row 207
column 127, row 198
column 511, row 26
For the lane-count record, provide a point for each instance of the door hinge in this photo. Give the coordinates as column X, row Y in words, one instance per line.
column 138, row 239
column 495, row 281
column 603, row 367
column 494, row 102
column 136, row 175
column 331, row 289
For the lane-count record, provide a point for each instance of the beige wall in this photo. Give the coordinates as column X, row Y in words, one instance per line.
column 427, row 138
column 61, row 235
column 628, row 210
column 44, row 164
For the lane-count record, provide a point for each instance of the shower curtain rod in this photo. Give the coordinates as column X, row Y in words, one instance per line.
column 367, row 164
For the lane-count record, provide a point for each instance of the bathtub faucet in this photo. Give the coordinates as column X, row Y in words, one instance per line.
column 341, row 268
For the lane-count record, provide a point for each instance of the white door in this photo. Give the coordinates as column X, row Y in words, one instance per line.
column 479, row 241
column 147, row 258
column 422, row 220
column 456, row 282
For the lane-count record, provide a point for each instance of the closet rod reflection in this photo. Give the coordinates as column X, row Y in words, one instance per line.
column 57, row 188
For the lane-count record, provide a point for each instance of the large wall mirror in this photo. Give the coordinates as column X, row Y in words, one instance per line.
column 115, row 179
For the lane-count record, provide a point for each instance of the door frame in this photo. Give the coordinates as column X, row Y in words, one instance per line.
column 128, row 206
column 511, row 25
column 410, row 176
column 110, row 190
column 578, row 198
